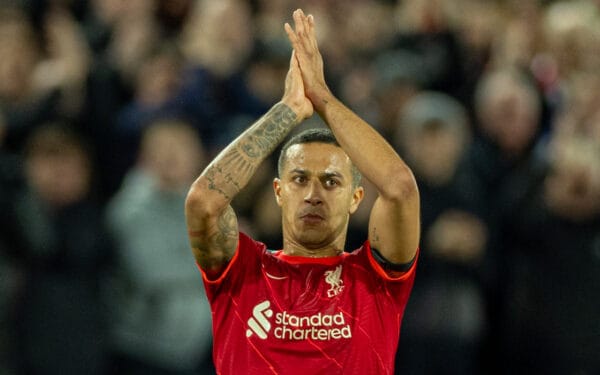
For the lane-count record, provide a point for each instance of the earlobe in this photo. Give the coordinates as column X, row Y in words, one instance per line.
column 277, row 190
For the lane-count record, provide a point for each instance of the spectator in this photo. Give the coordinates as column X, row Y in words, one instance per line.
column 158, row 82
column 549, row 236
column 64, row 253
column 217, row 41
column 508, row 110
column 445, row 317
column 161, row 319
column 39, row 81
column 103, row 66
column 126, row 39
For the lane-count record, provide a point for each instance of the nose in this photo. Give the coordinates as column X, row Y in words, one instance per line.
column 313, row 194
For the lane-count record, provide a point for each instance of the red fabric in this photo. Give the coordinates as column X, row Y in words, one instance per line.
column 277, row 315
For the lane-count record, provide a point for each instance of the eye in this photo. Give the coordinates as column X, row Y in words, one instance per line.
column 299, row 179
column 330, row 182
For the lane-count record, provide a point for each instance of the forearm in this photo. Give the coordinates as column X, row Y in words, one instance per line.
column 368, row 150
column 394, row 221
column 232, row 169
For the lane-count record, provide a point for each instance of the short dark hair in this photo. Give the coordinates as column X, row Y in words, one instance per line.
column 316, row 135
column 57, row 138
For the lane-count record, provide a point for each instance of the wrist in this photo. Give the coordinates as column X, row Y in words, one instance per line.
column 302, row 110
column 320, row 98
column 295, row 107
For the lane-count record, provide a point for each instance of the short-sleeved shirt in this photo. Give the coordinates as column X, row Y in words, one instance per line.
column 279, row 314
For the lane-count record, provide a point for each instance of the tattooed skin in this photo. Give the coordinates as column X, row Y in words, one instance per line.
column 374, row 235
column 235, row 166
column 221, row 239
column 214, row 244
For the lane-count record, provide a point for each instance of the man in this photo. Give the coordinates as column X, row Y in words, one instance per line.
column 310, row 307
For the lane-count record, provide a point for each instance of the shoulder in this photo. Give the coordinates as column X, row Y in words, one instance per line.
column 249, row 244
column 246, row 258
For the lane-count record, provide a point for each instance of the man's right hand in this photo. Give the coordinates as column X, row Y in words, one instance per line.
column 293, row 95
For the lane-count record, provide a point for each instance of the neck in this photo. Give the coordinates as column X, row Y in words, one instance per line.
column 293, row 247
column 298, row 244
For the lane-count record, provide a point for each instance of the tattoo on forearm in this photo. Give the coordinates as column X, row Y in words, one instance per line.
column 231, row 170
column 213, row 175
column 274, row 127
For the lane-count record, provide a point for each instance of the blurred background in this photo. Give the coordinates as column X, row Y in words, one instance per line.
column 109, row 109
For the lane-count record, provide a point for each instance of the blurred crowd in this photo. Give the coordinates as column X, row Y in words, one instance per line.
column 109, row 109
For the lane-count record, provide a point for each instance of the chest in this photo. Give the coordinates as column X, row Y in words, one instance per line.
column 304, row 303
column 307, row 288
column 306, row 317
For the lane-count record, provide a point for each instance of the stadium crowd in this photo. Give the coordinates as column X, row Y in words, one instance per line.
column 109, row 109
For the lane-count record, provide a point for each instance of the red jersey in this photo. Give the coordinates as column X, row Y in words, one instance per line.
column 279, row 314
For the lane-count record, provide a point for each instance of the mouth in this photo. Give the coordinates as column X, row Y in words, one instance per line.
column 312, row 218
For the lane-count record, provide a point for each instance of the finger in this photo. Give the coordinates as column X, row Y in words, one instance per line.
column 305, row 40
column 311, row 30
column 311, row 24
column 305, row 22
column 298, row 22
column 303, row 31
column 289, row 31
column 298, row 36
column 305, row 27
column 294, row 61
column 291, row 35
column 290, row 74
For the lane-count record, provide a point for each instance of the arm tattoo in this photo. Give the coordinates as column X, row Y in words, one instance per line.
column 374, row 235
column 224, row 239
column 234, row 167
column 274, row 127
column 215, row 244
column 227, row 228
column 221, row 240
column 231, row 171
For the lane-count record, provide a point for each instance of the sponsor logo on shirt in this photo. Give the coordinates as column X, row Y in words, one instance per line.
column 289, row 327
column 259, row 323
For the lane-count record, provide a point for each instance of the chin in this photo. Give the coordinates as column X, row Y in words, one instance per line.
column 312, row 239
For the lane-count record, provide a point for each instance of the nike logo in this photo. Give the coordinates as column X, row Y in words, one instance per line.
column 275, row 277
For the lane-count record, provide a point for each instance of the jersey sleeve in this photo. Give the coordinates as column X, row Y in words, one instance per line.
column 391, row 276
column 396, row 286
column 244, row 263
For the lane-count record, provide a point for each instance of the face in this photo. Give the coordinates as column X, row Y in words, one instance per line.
column 316, row 195
column 18, row 57
column 173, row 155
column 59, row 180
column 435, row 154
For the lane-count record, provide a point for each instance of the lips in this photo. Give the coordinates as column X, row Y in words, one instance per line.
column 312, row 217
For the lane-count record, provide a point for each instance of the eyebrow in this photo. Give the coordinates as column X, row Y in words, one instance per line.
column 299, row 171
column 333, row 174
column 326, row 174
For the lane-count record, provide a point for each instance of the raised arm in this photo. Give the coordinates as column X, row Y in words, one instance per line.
column 394, row 225
column 211, row 221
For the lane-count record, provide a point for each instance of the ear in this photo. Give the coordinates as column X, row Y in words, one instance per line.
column 277, row 190
column 357, row 197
